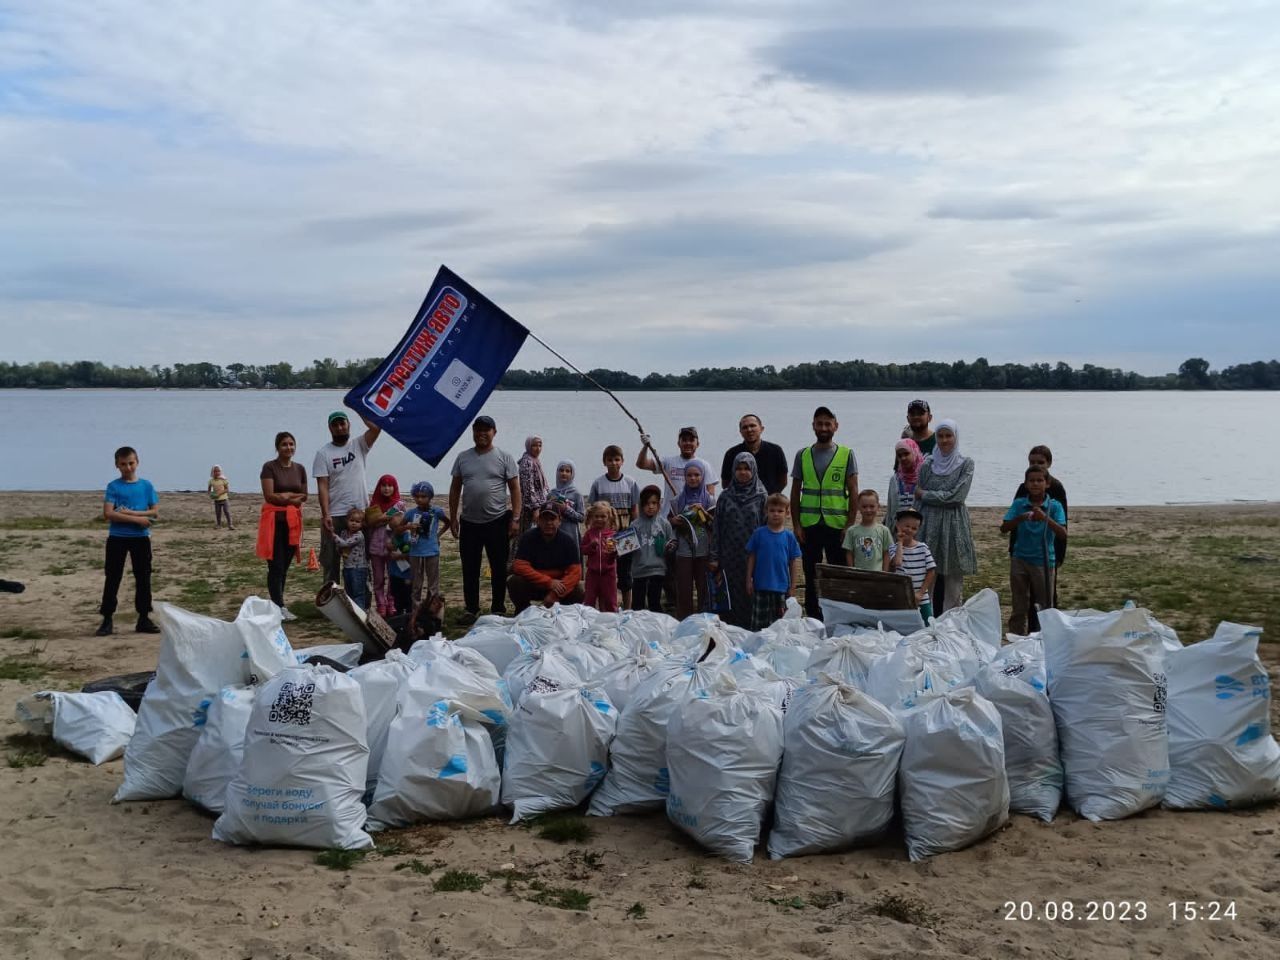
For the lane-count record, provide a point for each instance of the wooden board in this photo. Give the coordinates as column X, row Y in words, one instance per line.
column 866, row 588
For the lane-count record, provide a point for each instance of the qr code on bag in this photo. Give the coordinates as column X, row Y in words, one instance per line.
column 293, row 704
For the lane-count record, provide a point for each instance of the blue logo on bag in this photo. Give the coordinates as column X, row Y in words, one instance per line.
column 494, row 717
column 1251, row 733
column 663, row 782
column 438, row 715
column 1227, row 687
column 456, row 767
column 595, row 776
column 200, row 716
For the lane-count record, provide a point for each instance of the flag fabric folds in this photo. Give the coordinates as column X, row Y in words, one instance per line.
column 443, row 369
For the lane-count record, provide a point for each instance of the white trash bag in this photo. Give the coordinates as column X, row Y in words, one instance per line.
column 437, row 646
column 951, row 781
column 557, row 747
column 1108, row 689
column 497, row 645
column 347, row 654
column 1221, row 752
column 1017, row 684
column 839, row 772
column 548, row 662
column 847, row 658
column 621, row 678
column 439, row 765
column 380, row 683
column 217, row 754
column 723, row 751
column 267, row 650
column 199, row 656
column 980, row 618
column 96, row 726
column 303, row 771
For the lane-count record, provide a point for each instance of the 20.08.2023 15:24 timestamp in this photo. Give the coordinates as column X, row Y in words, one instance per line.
column 1119, row 911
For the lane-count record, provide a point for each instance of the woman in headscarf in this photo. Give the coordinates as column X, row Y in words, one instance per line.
column 940, row 495
column 692, row 524
column 739, row 512
column 533, row 483
column 903, row 480
column 567, row 500
column 384, row 506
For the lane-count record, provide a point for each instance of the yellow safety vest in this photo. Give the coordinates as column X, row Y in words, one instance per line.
column 826, row 501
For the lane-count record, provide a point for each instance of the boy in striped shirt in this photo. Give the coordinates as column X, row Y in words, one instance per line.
column 911, row 558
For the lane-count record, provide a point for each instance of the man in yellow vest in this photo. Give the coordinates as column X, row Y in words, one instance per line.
column 824, row 501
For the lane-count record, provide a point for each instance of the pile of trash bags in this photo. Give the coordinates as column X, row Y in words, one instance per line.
column 822, row 737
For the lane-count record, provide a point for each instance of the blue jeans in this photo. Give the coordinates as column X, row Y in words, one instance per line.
column 355, row 580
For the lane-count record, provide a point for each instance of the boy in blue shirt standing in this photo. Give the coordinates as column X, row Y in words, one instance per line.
column 129, row 507
column 423, row 523
column 1034, row 521
column 773, row 562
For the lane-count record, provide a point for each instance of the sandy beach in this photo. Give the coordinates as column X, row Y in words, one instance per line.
column 85, row 878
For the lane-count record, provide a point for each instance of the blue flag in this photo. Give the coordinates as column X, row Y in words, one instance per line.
column 434, row 383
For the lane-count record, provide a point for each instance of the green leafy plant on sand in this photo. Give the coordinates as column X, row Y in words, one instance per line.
column 563, row 828
column 452, row 881
column 562, row 898
column 340, row 859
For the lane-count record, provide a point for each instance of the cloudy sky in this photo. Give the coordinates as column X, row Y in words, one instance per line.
column 673, row 184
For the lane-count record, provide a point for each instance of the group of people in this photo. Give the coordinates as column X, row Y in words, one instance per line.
column 733, row 543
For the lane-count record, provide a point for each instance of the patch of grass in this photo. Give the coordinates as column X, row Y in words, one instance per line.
column 20, row 633
column 24, row 668
column 795, row 903
column 416, row 866
column 636, row 912
column 305, row 611
column 83, row 542
column 562, row 898
column 452, row 881
column 21, row 759
column 58, row 570
column 696, row 879
column 825, row 898
column 904, row 910
column 196, row 593
column 336, row 859
column 510, row 878
column 565, row 828
column 33, row 523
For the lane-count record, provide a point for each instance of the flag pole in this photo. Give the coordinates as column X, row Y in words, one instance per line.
column 600, row 386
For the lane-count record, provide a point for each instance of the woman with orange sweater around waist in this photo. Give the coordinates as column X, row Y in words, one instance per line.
column 284, row 490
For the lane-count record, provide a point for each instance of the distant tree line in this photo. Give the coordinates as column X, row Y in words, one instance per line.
column 1193, row 374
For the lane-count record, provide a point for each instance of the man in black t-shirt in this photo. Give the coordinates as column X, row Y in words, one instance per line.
column 548, row 566
column 771, row 461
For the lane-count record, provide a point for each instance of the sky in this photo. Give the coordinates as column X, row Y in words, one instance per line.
column 654, row 185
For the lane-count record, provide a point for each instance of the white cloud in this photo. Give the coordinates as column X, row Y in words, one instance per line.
column 292, row 173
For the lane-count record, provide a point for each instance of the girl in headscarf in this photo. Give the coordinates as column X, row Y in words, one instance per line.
column 739, row 512
column 903, row 480
column 691, row 521
column 533, row 482
column 567, row 499
column 940, row 494
column 386, row 506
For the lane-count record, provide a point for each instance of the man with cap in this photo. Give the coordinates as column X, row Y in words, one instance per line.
column 548, row 567
column 339, row 472
column 486, row 484
column 672, row 466
column 918, row 419
column 824, row 502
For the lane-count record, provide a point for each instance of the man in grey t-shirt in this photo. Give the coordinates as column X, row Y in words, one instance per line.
column 486, row 485
column 340, row 480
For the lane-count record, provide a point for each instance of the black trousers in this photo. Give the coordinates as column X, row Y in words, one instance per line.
column 490, row 540
column 281, row 558
column 822, row 544
column 138, row 550
column 646, row 593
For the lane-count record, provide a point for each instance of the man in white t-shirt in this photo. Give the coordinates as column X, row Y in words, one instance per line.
column 672, row 466
column 339, row 472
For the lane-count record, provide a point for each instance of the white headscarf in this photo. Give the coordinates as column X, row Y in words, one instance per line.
column 942, row 464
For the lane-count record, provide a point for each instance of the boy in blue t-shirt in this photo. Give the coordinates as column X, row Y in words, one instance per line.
column 423, row 523
column 1033, row 520
column 129, row 507
column 773, row 563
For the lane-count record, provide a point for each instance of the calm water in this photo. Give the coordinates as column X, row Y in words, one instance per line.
column 1109, row 448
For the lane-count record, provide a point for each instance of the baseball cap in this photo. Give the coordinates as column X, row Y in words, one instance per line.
column 918, row 406
column 909, row 513
column 548, row 508
column 337, row 415
column 485, row 421
column 689, row 432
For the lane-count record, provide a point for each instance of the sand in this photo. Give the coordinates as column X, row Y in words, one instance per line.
column 84, row 878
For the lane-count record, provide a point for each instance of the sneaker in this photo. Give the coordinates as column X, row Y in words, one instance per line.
column 466, row 618
column 286, row 616
column 145, row 625
column 106, row 629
